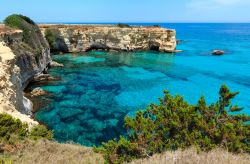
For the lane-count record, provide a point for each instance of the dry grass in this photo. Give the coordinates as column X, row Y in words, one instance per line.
column 44, row 152
column 8, row 30
column 190, row 156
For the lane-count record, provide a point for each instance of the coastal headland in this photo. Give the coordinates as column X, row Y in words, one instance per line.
column 78, row 38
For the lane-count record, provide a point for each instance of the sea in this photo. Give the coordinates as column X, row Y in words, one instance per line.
column 98, row 89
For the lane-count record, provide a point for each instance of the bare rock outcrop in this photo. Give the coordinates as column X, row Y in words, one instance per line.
column 78, row 38
column 218, row 52
column 53, row 64
column 37, row 92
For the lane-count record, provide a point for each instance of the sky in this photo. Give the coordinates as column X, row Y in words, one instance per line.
column 129, row 10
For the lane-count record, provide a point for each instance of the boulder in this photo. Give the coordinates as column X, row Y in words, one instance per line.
column 37, row 92
column 55, row 64
column 218, row 52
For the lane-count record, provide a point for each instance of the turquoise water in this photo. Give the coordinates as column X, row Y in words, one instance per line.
column 97, row 89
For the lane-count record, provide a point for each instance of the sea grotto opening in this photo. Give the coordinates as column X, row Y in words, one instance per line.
column 154, row 46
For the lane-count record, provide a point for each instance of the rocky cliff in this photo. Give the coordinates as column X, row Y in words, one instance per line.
column 12, row 100
column 19, row 64
column 77, row 38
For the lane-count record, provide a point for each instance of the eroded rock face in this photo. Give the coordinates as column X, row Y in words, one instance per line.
column 19, row 64
column 79, row 38
column 12, row 100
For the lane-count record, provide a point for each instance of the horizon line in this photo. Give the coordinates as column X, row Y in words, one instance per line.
column 73, row 22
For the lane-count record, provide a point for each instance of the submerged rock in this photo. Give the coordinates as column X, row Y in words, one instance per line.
column 66, row 113
column 218, row 52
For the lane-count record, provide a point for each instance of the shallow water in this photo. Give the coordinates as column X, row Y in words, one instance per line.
column 97, row 89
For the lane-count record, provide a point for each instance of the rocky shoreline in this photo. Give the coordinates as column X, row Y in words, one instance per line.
column 20, row 64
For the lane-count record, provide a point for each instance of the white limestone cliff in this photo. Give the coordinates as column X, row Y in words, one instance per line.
column 78, row 38
column 11, row 93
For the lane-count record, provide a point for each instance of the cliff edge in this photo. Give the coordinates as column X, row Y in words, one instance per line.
column 24, row 54
column 82, row 38
column 12, row 100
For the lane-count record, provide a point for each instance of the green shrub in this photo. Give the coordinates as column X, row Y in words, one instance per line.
column 14, row 21
column 24, row 23
column 27, row 19
column 119, row 151
column 40, row 132
column 11, row 128
column 56, row 41
column 51, row 35
column 175, row 124
column 17, row 20
column 123, row 25
column 13, row 131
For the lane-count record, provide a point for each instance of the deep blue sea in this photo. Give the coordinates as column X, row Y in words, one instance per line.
column 98, row 89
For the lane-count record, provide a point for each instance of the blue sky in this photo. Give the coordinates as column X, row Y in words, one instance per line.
column 129, row 10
